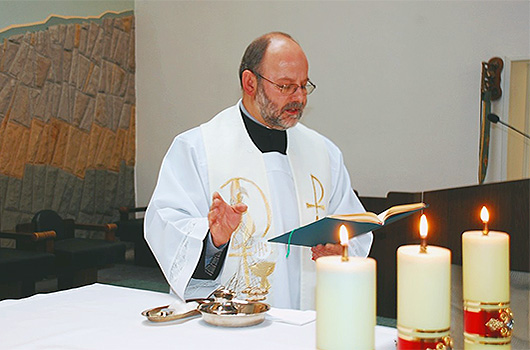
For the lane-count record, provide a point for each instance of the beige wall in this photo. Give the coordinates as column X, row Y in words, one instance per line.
column 20, row 12
column 398, row 82
column 518, row 154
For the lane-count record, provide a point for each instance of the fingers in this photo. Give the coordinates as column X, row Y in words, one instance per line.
column 223, row 218
column 330, row 247
column 316, row 251
column 217, row 200
column 240, row 208
column 218, row 203
column 325, row 250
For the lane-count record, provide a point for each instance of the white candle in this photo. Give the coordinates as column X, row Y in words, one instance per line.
column 424, row 288
column 486, row 266
column 345, row 303
column 424, row 291
column 486, row 283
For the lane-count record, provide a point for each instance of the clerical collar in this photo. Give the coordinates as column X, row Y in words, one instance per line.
column 265, row 139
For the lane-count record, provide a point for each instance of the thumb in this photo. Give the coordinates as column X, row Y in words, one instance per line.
column 240, row 207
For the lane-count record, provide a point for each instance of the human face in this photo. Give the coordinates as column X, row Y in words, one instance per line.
column 274, row 116
column 284, row 63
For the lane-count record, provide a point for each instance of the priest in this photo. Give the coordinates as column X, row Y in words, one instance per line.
column 249, row 174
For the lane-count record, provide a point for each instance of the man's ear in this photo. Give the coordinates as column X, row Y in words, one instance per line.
column 249, row 82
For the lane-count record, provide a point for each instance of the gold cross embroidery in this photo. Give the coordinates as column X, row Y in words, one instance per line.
column 317, row 199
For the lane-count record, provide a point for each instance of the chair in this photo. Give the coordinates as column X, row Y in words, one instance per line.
column 77, row 259
column 131, row 229
column 31, row 261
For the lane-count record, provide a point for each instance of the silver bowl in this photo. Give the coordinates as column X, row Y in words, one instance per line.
column 223, row 311
column 234, row 313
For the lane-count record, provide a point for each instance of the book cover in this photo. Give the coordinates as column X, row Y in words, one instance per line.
column 326, row 230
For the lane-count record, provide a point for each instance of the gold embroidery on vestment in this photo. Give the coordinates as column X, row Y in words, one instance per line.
column 316, row 197
column 254, row 281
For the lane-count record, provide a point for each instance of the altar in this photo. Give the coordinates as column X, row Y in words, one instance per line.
column 102, row 316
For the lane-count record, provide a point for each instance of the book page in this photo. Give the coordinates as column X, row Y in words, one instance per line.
column 359, row 217
column 399, row 209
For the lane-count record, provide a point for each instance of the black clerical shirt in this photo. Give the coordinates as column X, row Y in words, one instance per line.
column 267, row 140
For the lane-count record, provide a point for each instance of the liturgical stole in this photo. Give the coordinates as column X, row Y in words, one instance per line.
column 236, row 170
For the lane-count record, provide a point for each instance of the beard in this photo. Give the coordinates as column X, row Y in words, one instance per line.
column 276, row 117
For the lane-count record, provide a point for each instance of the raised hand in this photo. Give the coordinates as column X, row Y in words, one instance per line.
column 224, row 219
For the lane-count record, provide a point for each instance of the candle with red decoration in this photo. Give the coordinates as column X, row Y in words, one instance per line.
column 423, row 295
column 488, row 320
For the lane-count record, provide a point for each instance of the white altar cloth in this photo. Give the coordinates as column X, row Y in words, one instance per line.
column 101, row 316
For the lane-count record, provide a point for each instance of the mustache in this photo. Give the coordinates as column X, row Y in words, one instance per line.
column 293, row 105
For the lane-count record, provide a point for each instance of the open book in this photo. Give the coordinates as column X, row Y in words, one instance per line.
column 326, row 230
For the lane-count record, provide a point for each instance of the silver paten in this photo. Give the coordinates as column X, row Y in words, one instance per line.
column 223, row 311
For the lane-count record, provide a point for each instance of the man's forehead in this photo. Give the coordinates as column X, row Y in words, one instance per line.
column 284, row 54
column 280, row 44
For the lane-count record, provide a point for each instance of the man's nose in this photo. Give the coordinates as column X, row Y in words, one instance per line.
column 300, row 95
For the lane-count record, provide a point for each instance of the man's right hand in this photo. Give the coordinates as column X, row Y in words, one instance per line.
column 224, row 219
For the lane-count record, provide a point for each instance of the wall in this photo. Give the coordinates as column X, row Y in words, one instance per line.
column 518, row 159
column 67, row 118
column 398, row 82
column 22, row 12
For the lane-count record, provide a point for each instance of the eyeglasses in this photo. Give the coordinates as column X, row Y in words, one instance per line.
column 289, row 89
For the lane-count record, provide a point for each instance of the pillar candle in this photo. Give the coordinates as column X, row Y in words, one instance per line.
column 345, row 303
column 423, row 295
column 486, row 288
column 486, row 266
column 424, row 289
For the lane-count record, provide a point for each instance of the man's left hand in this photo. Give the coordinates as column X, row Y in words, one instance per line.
column 325, row 250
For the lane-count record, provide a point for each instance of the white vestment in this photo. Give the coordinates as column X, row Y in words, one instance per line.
column 176, row 220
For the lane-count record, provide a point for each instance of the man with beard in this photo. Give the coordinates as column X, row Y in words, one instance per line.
column 249, row 174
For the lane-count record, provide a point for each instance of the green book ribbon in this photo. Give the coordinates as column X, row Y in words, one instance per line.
column 289, row 243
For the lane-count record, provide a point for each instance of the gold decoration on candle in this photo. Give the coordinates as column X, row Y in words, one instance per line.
column 445, row 344
column 421, row 333
column 485, row 217
column 477, row 306
column 424, row 228
column 343, row 232
column 504, row 325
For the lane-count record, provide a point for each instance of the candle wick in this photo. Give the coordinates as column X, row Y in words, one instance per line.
column 485, row 231
column 423, row 245
column 344, row 253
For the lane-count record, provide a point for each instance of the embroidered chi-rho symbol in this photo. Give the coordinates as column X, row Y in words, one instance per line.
column 318, row 195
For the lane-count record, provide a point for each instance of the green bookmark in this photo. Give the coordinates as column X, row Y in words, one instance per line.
column 289, row 243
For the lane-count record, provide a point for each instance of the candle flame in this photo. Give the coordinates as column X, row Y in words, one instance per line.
column 424, row 226
column 484, row 215
column 343, row 232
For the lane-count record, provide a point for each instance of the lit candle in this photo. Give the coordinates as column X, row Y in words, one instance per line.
column 485, row 217
column 345, row 302
column 488, row 319
column 424, row 294
column 424, row 228
column 343, row 231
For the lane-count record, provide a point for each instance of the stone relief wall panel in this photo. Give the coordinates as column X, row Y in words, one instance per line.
column 67, row 120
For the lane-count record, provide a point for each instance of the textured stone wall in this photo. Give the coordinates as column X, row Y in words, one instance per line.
column 67, row 121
